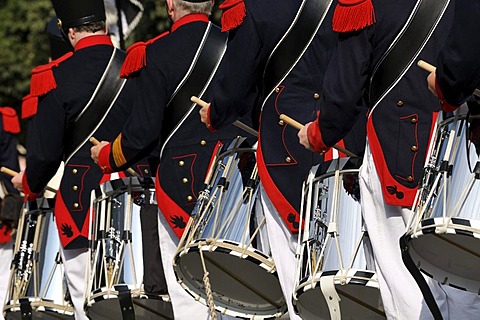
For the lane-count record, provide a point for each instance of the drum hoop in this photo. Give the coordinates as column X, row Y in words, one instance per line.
column 323, row 176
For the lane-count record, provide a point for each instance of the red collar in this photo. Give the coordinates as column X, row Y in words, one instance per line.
column 189, row 18
column 93, row 41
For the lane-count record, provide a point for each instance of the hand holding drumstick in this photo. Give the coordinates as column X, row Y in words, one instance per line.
column 17, row 179
column 302, row 135
column 95, row 150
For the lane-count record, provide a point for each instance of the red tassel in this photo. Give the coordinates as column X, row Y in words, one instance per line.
column 135, row 60
column 29, row 106
column 42, row 81
column 353, row 15
column 10, row 120
column 233, row 14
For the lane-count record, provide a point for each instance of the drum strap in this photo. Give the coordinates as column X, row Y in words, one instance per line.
column 327, row 285
column 418, row 276
column 195, row 81
column 294, row 43
column 406, row 47
column 125, row 301
column 25, row 308
column 97, row 109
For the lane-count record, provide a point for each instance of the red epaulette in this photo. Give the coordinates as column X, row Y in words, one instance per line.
column 136, row 57
column 10, row 120
column 353, row 15
column 29, row 106
column 233, row 13
column 43, row 80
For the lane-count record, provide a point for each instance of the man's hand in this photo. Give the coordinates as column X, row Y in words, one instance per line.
column 303, row 137
column 431, row 79
column 204, row 114
column 95, row 150
column 17, row 181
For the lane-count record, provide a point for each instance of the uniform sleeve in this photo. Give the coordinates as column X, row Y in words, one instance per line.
column 458, row 65
column 234, row 93
column 343, row 89
column 8, row 157
column 45, row 142
column 141, row 132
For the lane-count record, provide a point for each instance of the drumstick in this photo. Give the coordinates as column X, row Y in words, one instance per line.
column 13, row 173
column 237, row 123
column 297, row 125
column 95, row 142
column 431, row 68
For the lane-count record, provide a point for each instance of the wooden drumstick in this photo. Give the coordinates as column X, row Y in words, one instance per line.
column 237, row 123
column 13, row 173
column 297, row 125
column 431, row 68
column 95, row 142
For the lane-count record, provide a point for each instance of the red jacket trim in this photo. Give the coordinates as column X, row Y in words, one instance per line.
column 315, row 137
column 104, row 159
column 444, row 105
column 67, row 229
column 29, row 195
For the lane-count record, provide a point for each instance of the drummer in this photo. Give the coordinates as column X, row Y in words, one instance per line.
column 156, row 68
column 62, row 89
column 9, row 126
column 398, row 128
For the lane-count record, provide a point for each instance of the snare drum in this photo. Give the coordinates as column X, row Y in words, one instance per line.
column 442, row 234
column 335, row 274
column 37, row 284
column 115, row 276
column 221, row 258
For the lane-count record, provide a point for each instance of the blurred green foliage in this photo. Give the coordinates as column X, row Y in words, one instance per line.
column 24, row 42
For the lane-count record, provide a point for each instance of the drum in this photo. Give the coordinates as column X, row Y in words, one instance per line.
column 37, row 286
column 442, row 235
column 115, row 276
column 335, row 274
column 223, row 258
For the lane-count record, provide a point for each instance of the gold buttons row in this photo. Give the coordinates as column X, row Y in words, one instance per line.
column 316, row 95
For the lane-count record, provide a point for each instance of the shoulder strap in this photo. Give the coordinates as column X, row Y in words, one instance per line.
column 405, row 48
column 97, row 109
column 195, row 81
column 294, row 43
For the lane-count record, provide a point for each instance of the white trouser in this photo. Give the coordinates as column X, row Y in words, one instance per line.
column 75, row 263
column 283, row 246
column 6, row 256
column 401, row 296
column 184, row 305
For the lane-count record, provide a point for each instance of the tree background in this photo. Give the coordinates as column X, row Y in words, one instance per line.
column 24, row 42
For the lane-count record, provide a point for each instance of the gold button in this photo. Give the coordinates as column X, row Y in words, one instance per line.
column 75, row 205
column 281, row 123
column 75, row 188
column 189, row 198
column 203, row 143
column 277, row 89
column 414, row 120
column 316, row 96
column 288, row 159
column 181, row 163
column 184, row 180
column 414, row 148
column 146, row 171
column 410, row 179
column 74, row 171
column 399, row 103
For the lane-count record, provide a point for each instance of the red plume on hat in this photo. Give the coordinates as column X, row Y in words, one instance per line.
column 233, row 14
column 10, row 120
column 353, row 15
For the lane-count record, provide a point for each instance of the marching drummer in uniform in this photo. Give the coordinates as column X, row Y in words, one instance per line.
column 156, row 68
column 9, row 126
column 398, row 129
column 58, row 132
column 282, row 164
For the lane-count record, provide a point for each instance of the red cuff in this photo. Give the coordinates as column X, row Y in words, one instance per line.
column 315, row 137
column 209, row 123
column 104, row 159
column 29, row 195
column 444, row 105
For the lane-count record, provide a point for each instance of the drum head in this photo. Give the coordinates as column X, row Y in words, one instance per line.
column 360, row 299
column 106, row 306
column 452, row 257
column 242, row 286
column 41, row 309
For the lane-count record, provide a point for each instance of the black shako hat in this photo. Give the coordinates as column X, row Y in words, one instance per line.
column 58, row 45
column 74, row 13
